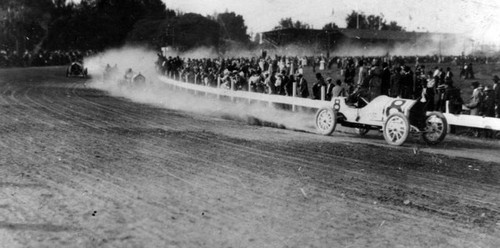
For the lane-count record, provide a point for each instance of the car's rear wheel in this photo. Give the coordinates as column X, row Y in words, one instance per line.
column 436, row 128
column 396, row 129
column 326, row 120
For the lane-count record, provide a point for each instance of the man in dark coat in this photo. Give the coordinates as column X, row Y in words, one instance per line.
column 303, row 88
column 453, row 95
column 496, row 89
column 386, row 79
column 488, row 102
column 395, row 83
column 349, row 74
column 470, row 72
column 289, row 80
column 329, row 88
column 406, row 86
column 320, row 82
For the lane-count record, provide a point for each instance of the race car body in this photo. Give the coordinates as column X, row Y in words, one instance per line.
column 396, row 117
column 76, row 69
column 131, row 79
column 110, row 73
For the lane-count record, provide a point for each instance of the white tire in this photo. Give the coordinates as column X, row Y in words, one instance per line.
column 326, row 121
column 396, row 129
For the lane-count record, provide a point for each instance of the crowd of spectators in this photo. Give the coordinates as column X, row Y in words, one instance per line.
column 41, row 58
column 358, row 77
column 366, row 77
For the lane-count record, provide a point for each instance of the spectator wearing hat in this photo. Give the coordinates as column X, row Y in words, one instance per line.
column 362, row 74
column 448, row 74
column 469, row 73
column 489, row 102
column 255, row 82
column 386, row 79
column 452, row 95
column 395, row 82
column 320, row 82
column 240, row 82
column 289, row 80
column 475, row 100
column 269, row 82
column 349, row 74
column 329, row 88
column 279, row 84
column 226, row 80
column 406, row 86
column 496, row 89
column 430, row 91
column 337, row 90
column 375, row 79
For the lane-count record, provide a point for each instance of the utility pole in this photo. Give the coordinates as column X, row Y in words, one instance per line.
column 173, row 35
column 357, row 20
column 328, row 45
column 357, row 17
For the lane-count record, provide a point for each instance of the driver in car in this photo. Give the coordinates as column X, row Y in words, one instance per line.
column 359, row 98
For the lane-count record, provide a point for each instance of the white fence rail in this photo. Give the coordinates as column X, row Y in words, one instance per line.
column 453, row 119
column 473, row 121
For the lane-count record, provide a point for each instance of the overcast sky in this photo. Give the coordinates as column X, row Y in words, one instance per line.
column 479, row 18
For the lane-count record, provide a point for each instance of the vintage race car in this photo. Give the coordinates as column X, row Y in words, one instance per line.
column 110, row 73
column 131, row 79
column 76, row 69
column 395, row 117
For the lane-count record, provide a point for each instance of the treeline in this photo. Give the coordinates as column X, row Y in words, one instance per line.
column 354, row 20
column 28, row 25
column 98, row 24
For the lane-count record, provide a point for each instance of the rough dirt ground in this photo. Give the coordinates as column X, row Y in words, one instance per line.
column 79, row 168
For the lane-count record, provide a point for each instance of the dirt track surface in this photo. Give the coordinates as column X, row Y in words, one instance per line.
column 79, row 168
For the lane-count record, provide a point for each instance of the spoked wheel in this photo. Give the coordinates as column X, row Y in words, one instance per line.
column 361, row 131
column 326, row 120
column 436, row 128
column 396, row 129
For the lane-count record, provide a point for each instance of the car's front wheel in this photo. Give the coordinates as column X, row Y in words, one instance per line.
column 326, row 120
column 396, row 129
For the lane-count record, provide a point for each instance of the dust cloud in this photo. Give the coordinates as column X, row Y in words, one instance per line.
column 429, row 45
column 159, row 94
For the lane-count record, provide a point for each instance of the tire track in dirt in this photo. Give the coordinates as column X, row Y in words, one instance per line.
column 42, row 158
column 435, row 208
column 218, row 176
column 52, row 103
column 25, row 214
column 421, row 180
column 429, row 193
column 198, row 137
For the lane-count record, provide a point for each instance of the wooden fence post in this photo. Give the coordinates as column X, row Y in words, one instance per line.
column 323, row 93
column 232, row 89
column 218, row 87
column 294, row 94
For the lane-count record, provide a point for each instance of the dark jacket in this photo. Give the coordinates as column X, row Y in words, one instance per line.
column 303, row 89
column 454, row 97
